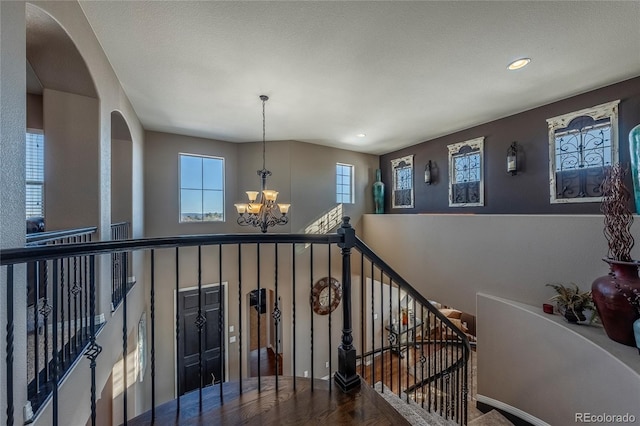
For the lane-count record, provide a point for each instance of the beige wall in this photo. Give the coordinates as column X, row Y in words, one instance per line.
column 450, row 258
column 121, row 180
column 544, row 370
column 111, row 97
column 72, row 184
column 304, row 175
column 525, row 360
column 161, row 183
column 35, row 119
column 313, row 183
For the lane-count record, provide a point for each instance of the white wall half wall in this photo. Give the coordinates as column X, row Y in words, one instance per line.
column 450, row 258
column 548, row 371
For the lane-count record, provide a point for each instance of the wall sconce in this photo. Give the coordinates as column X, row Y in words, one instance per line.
column 512, row 159
column 427, row 173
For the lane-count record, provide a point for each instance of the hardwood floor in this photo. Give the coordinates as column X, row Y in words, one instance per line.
column 267, row 362
column 324, row 404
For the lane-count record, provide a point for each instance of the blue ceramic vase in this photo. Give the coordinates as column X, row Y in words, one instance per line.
column 636, row 333
column 634, row 150
column 378, row 193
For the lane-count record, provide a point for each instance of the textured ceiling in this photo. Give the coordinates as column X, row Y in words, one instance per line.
column 400, row 72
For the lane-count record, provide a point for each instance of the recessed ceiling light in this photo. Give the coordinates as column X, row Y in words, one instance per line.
column 518, row 63
column 361, row 135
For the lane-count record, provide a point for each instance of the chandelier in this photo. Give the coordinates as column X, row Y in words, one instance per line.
column 262, row 211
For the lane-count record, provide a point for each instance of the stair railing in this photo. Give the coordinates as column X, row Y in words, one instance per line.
column 232, row 266
column 412, row 348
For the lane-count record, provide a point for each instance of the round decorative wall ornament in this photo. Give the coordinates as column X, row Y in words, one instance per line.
column 326, row 295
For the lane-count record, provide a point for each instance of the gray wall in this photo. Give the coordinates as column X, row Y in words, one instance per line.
column 528, row 191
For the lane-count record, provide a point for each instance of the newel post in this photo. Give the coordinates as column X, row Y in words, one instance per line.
column 346, row 377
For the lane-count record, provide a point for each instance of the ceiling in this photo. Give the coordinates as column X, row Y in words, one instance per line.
column 399, row 72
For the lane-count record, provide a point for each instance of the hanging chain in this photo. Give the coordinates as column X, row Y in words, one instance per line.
column 264, row 99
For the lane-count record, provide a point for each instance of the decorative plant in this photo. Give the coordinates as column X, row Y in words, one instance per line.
column 571, row 299
column 617, row 215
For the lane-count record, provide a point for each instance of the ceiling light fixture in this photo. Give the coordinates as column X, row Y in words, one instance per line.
column 262, row 210
column 361, row 135
column 518, row 63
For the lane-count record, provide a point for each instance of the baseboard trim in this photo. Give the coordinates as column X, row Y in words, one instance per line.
column 508, row 410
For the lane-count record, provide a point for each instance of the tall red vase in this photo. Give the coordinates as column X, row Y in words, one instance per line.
column 616, row 312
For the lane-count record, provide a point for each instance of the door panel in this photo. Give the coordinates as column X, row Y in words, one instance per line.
column 188, row 356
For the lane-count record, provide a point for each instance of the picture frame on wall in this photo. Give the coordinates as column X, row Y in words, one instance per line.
column 402, row 190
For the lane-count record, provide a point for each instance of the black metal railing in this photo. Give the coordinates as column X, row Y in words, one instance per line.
column 120, row 265
column 57, row 312
column 415, row 351
column 215, row 268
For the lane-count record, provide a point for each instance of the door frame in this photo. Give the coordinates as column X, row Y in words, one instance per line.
column 225, row 334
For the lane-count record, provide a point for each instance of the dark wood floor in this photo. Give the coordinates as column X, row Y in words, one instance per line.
column 268, row 362
column 324, row 404
column 305, row 405
column 401, row 372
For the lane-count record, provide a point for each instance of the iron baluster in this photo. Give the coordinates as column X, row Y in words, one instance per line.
column 330, row 311
column 178, row 321
column 153, row 336
column 221, row 324
column 311, row 322
column 55, row 356
column 240, row 317
column 259, row 309
column 276, row 312
column 293, row 309
column 200, row 322
column 9, row 346
column 124, row 357
column 93, row 350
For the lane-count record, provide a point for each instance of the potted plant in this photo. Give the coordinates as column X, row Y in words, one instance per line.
column 572, row 302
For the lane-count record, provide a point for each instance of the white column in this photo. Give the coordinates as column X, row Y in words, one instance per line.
column 12, row 192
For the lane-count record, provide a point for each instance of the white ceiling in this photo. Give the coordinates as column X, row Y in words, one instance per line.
column 400, row 72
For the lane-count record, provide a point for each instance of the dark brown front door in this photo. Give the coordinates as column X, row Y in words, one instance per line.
column 188, row 348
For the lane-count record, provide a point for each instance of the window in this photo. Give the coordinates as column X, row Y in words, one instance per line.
column 201, row 188
column 35, row 175
column 466, row 181
column 582, row 145
column 344, row 183
column 402, row 196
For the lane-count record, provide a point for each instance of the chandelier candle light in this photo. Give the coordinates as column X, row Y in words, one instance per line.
column 262, row 210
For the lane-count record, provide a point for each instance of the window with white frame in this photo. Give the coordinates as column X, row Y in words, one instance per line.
column 201, row 188
column 35, row 174
column 344, row 183
column 582, row 144
column 402, row 196
column 466, row 173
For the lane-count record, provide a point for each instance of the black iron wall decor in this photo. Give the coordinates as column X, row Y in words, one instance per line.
column 402, row 194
